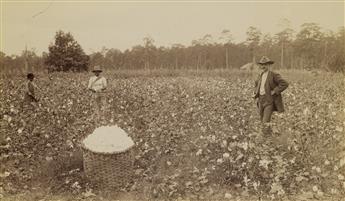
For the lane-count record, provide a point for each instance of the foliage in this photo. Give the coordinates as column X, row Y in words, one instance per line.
column 311, row 48
column 16, row 64
column 337, row 59
column 66, row 54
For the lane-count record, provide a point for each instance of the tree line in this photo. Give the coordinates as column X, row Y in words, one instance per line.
column 310, row 48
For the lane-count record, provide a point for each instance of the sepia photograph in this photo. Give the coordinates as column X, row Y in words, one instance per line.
column 223, row 100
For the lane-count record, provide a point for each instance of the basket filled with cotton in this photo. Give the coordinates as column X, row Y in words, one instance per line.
column 108, row 157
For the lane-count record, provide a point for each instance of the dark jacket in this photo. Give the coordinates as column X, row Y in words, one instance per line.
column 276, row 83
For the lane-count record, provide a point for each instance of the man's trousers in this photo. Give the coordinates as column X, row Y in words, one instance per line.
column 265, row 109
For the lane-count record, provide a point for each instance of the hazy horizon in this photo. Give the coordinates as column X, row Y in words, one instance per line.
column 122, row 25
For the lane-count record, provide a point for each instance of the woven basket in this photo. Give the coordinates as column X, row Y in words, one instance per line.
column 108, row 170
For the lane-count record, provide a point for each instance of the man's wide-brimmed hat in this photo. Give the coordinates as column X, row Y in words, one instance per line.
column 97, row 69
column 265, row 61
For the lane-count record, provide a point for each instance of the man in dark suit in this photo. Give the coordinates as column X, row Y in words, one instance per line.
column 268, row 89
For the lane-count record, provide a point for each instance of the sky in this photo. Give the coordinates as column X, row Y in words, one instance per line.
column 122, row 25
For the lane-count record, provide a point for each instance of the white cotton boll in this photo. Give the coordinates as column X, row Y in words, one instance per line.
column 318, row 170
column 224, row 144
column 315, row 188
column 199, row 152
column 227, row 196
column 108, row 139
column 226, row 155
column 20, row 130
column 220, row 161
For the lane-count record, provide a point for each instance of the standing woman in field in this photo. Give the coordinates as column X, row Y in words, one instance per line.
column 97, row 85
column 268, row 89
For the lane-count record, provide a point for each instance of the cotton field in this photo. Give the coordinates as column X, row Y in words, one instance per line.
column 197, row 136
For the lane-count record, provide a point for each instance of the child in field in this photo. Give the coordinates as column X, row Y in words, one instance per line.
column 30, row 103
column 30, row 89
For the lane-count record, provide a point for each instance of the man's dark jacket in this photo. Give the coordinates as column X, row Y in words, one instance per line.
column 276, row 83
